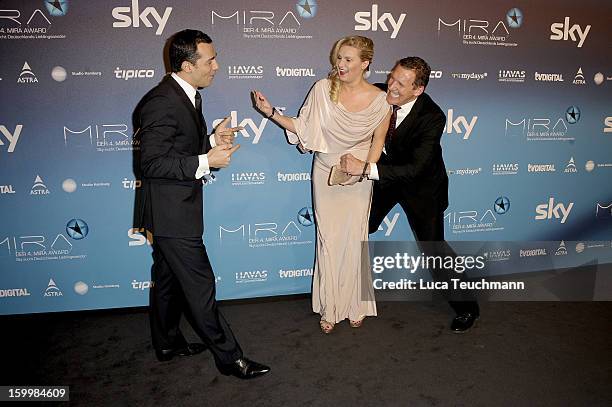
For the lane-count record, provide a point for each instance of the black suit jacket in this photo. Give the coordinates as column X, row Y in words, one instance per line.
column 172, row 135
column 414, row 166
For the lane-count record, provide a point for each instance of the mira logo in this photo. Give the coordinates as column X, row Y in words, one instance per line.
column 554, row 210
column 132, row 17
column 459, row 124
column 563, row 32
column 367, row 21
column 10, row 136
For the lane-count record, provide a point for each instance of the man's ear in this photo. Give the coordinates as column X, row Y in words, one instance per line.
column 420, row 90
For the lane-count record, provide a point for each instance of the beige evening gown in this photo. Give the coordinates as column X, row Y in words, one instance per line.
column 339, row 289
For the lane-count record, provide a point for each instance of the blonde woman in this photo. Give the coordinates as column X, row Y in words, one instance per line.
column 343, row 113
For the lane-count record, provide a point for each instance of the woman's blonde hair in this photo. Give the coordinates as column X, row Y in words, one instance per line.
column 366, row 53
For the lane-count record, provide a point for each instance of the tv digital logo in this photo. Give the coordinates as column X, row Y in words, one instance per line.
column 367, row 20
column 563, row 32
column 125, row 19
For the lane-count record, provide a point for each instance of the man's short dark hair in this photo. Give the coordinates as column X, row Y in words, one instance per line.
column 184, row 47
column 420, row 68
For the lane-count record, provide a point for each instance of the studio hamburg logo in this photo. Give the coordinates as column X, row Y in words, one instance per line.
column 502, row 205
column 306, row 216
column 77, row 229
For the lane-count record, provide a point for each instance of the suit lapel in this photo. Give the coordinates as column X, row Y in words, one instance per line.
column 406, row 124
column 184, row 99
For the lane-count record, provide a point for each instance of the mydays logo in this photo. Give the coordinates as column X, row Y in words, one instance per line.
column 459, row 124
column 371, row 21
column 11, row 137
column 563, row 32
column 551, row 210
column 126, row 20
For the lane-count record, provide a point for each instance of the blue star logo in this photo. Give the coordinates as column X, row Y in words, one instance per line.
column 514, row 18
column 502, row 205
column 77, row 229
column 306, row 8
column 306, row 216
column 57, row 7
column 572, row 114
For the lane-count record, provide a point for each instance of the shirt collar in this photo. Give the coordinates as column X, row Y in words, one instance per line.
column 189, row 90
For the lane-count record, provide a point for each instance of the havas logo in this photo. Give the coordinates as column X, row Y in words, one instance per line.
column 551, row 210
column 245, row 72
column 371, row 21
column 563, row 31
column 26, row 75
column 247, row 123
column 126, row 20
column 459, row 124
column 11, row 137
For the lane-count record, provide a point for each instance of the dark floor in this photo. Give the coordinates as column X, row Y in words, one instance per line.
column 535, row 354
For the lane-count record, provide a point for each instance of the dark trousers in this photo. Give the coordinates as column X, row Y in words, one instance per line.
column 428, row 230
column 185, row 283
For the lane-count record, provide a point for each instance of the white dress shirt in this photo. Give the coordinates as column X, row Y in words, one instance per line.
column 203, row 167
column 402, row 112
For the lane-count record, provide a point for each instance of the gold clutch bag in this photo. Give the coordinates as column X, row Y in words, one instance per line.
column 337, row 176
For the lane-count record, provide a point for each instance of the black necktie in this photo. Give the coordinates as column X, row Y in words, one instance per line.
column 198, row 105
column 391, row 130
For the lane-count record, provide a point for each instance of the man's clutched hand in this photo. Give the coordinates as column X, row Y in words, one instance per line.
column 351, row 165
column 220, row 156
column 224, row 134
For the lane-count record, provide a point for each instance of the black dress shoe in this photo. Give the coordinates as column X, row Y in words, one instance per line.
column 164, row 355
column 463, row 322
column 244, row 368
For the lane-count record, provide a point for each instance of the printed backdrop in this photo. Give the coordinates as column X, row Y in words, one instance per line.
column 525, row 85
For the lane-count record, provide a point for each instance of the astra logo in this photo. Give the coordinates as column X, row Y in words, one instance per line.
column 294, row 71
column 563, row 32
column 139, row 237
column 39, row 187
column 127, row 74
column 11, row 136
column 248, row 124
column 571, row 166
column 506, row 75
column 26, row 75
column 551, row 210
column 561, row 250
column 52, row 290
column 388, row 225
column 459, row 124
column 607, row 125
column 579, row 78
column 245, row 72
column 367, row 20
column 122, row 14
column 293, row 177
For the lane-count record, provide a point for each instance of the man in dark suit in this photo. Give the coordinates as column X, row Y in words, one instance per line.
column 175, row 154
column 411, row 171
